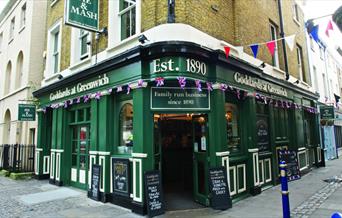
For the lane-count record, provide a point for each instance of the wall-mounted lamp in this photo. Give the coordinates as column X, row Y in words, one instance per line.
column 60, row 77
column 142, row 38
column 262, row 65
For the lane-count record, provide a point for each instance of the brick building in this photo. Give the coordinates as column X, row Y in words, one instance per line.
column 94, row 84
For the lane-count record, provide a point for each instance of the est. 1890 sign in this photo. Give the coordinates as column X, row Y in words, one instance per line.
column 83, row 14
column 26, row 112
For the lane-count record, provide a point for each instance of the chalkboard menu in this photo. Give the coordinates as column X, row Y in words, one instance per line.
column 262, row 133
column 218, row 186
column 95, row 182
column 121, row 176
column 290, row 158
column 154, row 193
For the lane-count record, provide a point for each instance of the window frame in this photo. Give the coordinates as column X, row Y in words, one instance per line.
column 1, row 41
column 50, row 64
column 120, row 130
column 300, row 63
column 296, row 13
column 84, row 34
column 274, row 34
column 12, row 29
column 23, row 16
column 114, row 24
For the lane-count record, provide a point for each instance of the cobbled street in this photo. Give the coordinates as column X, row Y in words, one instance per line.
column 310, row 196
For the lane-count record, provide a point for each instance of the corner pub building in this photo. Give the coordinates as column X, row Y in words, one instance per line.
column 142, row 110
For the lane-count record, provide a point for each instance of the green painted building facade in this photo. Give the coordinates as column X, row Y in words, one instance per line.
column 115, row 111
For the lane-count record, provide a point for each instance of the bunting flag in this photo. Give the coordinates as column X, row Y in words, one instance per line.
column 271, row 46
column 226, row 50
column 255, row 50
column 290, row 41
column 329, row 27
column 314, row 33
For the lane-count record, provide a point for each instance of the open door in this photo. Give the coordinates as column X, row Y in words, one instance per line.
column 200, row 159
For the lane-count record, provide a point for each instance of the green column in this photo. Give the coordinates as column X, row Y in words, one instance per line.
column 217, row 127
column 105, row 143
column 142, row 138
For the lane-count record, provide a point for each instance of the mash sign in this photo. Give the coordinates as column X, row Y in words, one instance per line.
column 83, row 14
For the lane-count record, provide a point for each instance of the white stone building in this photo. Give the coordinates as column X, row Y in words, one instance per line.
column 22, row 37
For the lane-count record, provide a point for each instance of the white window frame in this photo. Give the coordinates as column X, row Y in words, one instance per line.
column 274, row 38
column 296, row 13
column 1, row 41
column 75, row 47
column 114, row 23
column 87, row 35
column 299, row 62
column 12, row 29
column 23, row 16
column 57, row 27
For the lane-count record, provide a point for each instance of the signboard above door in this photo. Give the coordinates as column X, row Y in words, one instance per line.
column 27, row 112
column 172, row 98
column 83, row 14
column 327, row 112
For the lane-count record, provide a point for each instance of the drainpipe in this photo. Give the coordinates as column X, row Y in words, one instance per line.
column 283, row 40
column 171, row 11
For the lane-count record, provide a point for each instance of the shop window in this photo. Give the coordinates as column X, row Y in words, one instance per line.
column 281, row 120
column 81, row 115
column 307, row 129
column 232, row 121
column 262, row 127
column 126, row 129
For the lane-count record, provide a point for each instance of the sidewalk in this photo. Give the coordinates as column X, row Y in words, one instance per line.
column 309, row 197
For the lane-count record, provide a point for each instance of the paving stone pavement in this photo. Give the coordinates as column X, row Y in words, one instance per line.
column 309, row 197
column 78, row 206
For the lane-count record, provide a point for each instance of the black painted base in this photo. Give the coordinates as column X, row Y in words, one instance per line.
column 41, row 177
column 121, row 201
column 255, row 190
column 105, row 197
column 55, row 182
column 138, row 208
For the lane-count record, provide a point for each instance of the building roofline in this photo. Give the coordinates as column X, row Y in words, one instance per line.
column 7, row 9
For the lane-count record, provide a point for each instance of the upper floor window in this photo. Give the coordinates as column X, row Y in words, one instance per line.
column 8, row 78
column 321, row 52
column 84, row 43
column 19, row 71
column 1, row 39
column 54, row 49
column 295, row 12
column 274, row 33
column 301, row 72
column 23, row 16
column 12, row 27
column 312, row 45
column 127, row 13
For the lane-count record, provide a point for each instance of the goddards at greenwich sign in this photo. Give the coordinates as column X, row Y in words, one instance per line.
column 82, row 13
column 259, row 84
column 80, row 87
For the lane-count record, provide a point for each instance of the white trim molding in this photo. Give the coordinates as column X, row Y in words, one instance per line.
column 139, row 155
column 222, row 153
column 52, row 165
column 46, row 164
column 137, row 196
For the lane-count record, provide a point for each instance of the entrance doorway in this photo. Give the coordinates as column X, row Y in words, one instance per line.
column 181, row 145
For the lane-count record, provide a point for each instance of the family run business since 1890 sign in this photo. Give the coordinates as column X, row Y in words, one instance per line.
column 83, row 14
column 171, row 98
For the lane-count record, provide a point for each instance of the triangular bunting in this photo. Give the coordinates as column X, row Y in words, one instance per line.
column 271, row 46
column 290, row 41
column 255, row 50
column 314, row 33
column 329, row 27
column 227, row 50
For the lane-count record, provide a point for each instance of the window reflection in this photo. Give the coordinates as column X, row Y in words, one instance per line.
column 126, row 129
column 233, row 137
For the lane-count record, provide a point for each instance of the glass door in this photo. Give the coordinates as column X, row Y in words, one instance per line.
column 80, row 156
column 200, row 159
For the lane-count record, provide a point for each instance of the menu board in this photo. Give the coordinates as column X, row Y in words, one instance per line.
column 262, row 133
column 154, row 193
column 121, row 176
column 290, row 158
column 218, row 186
column 95, row 182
